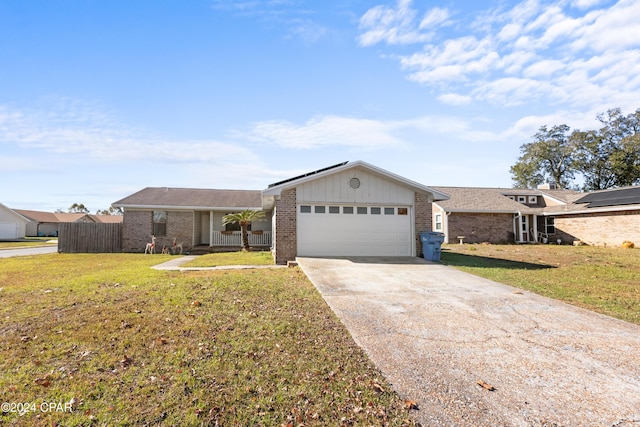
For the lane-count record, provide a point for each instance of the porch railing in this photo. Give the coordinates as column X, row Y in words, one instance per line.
column 234, row 238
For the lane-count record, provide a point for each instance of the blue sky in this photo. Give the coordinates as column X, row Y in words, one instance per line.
column 99, row 99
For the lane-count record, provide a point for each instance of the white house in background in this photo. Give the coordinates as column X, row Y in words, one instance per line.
column 12, row 225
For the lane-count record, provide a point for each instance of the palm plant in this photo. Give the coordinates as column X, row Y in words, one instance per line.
column 243, row 219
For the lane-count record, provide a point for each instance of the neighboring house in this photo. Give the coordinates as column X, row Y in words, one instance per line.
column 192, row 216
column 499, row 215
column 45, row 224
column 350, row 209
column 605, row 218
column 12, row 224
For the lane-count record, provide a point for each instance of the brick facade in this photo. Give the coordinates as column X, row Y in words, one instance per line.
column 605, row 229
column 138, row 227
column 480, row 227
column 136, row 230
column 423, row 212
column 285, row 240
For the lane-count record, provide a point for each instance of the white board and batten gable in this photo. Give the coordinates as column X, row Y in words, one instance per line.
column 353, row 209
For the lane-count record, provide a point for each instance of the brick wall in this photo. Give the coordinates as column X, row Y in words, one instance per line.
column 180, row 225
column 138, row 227
column 423, row 213
column 480, row 228
column 609, row 229
column 285, row 233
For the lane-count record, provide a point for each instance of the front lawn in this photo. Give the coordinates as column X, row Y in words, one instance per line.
column 112, row 342
column 232, row 258
column 605, row 280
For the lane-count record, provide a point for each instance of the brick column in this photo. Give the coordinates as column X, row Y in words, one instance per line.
column 423, row 213
column 285, row 233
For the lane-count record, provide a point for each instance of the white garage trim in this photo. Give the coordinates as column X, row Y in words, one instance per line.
column 9, row 230
column 326, row 229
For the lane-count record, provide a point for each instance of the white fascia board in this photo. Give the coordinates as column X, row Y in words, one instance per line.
column 593, row 210
column 277, row 190
column 491, row 211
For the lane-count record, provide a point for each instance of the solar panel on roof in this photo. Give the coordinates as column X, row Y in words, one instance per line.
column 306, row 174
column 624, row 196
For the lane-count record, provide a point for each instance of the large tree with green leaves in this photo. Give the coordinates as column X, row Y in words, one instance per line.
column 243, row 219
column 610, row 156
column 606, row 157
column 549, row 158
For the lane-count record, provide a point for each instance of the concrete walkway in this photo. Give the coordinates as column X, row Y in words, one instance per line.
column 175, row 265
column 435, row 332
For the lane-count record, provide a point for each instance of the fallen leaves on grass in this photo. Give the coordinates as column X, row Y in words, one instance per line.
column 485, row 385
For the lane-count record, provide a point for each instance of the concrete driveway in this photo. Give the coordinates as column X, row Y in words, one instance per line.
column 434, row 332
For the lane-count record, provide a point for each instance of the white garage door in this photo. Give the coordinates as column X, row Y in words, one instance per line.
column 8, row 230
column 336, row 230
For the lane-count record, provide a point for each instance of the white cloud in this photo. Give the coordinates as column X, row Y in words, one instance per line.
column 455, row 99
column 325, row 131
column 398, row 25
column 70, row 127
column 585, row 51
column 435, row 17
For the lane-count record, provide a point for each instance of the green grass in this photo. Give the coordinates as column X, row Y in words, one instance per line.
column 126, row 345
column 605, row 280
column 232, row 258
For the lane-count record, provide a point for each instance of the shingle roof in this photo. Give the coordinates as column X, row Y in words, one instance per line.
column 56, row 217
column 108, row 219
column 474, row 199
column 191, row 198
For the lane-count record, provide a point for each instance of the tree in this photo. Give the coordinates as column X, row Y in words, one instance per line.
column 610, row 156
column 110, row 211
column 78, row 208
column 548, row 158
column 593, row 160
column 243, row 219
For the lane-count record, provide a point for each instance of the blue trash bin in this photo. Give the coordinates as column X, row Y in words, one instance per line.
column 431, row 245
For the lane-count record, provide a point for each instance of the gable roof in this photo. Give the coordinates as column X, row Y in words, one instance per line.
column 558, row 202
column 54, row 217
column 484, row 200
column 277, row 188
column 191, row 198
column 497, row 200
column 12, row 212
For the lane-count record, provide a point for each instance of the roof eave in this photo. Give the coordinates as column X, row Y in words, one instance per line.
column 593, row 210
column 277, row 190
column 187, row 208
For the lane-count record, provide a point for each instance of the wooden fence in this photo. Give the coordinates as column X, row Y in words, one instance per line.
column 86, row 237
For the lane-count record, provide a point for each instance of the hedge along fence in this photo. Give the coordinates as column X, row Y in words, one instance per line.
column 86, row 237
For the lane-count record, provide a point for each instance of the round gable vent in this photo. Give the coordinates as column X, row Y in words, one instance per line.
column 354, row 183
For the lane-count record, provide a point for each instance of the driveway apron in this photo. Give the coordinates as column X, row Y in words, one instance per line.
column 439, row 334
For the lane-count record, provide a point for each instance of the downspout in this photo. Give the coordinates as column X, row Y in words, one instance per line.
column 445, row 225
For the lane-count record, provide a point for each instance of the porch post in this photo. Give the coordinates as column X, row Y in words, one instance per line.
column 210, row 228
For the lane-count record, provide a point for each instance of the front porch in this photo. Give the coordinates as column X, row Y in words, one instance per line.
column 228, row 241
